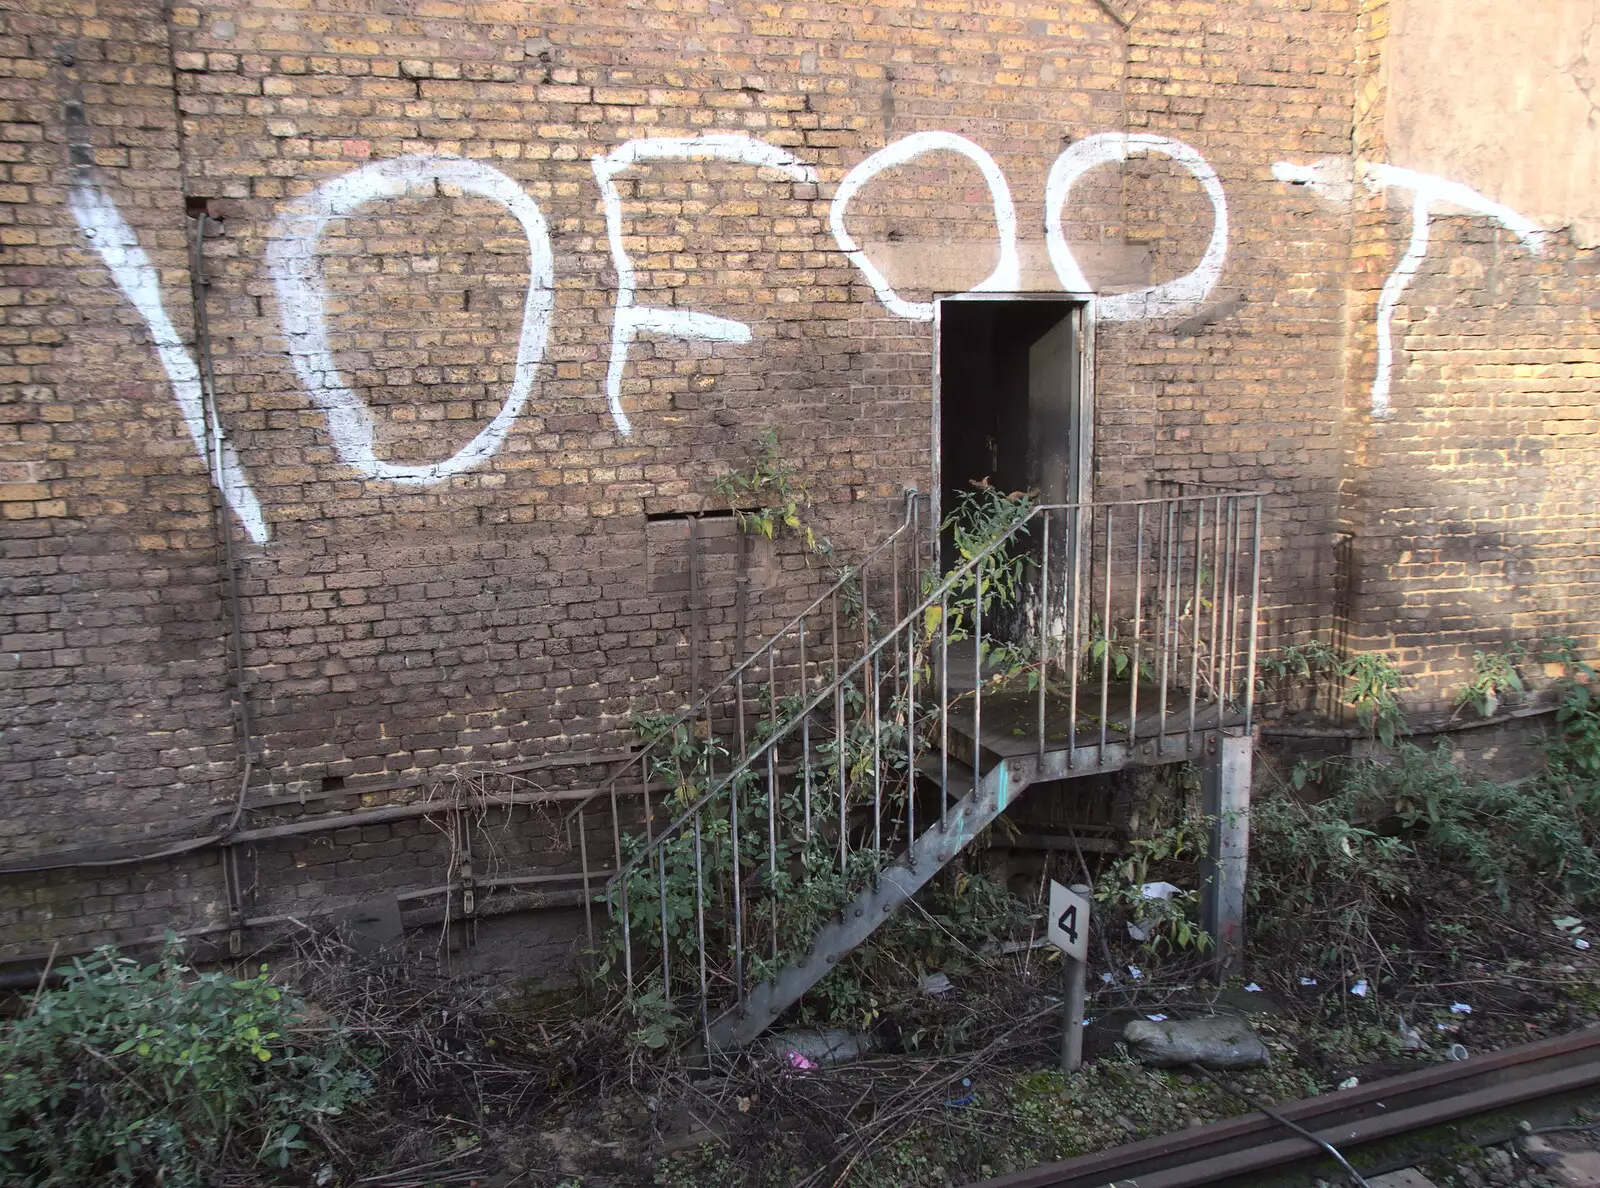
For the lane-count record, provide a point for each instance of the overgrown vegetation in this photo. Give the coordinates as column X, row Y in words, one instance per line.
column 1367, row 682
column 1409, row 866
column 160, row 1074
column 768, row 499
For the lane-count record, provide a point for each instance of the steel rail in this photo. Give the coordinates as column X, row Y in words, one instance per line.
column 1348, row 1120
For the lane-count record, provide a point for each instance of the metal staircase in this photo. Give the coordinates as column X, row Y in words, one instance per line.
column 886, row 730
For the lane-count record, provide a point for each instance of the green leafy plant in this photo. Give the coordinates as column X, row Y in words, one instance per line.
column 1171, row 922
column 1339, row 885
column 1577, row 754
column 1372, row 687
column 1312, row 664
column 153, row 1074
column 980, row 517
column 780, row 499
column 1494, row 678
column 1578, row 715
column 1107, row 648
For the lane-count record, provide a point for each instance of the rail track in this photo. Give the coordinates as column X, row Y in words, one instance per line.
column 1377, row 1127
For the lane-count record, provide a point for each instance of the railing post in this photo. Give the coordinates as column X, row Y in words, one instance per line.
column 1225, row 795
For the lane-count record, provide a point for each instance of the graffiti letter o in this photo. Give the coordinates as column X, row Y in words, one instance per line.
column 1179, row 296
column 1006, row 272
column 297, row 275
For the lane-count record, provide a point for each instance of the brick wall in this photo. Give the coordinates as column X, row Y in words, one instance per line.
column 518, row 609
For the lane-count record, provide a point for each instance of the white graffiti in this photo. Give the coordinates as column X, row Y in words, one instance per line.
column 294, row 266
column 140, row 283
column 1007, row 271
column 1172, row 298
column 1428, row 192
column 297, row 274
column 631, row 320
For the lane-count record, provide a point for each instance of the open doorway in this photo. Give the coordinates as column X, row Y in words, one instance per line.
column 1011, row 398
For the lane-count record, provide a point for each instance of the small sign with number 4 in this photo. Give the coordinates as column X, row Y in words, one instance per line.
column 1069, row 921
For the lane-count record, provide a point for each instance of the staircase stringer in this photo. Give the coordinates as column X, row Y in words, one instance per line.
column 928, row 855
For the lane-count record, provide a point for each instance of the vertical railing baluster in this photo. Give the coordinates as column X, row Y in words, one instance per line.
column 805, row 778
column 877, row 741
column 616, row 818
column 738, row 892
column 627, row 936
column 911, row 734
column 1044, row 628
column 1105, row 627
column 977, row 680
column 1214, row 650
column 588, row 895
column 894, row 609
column 1233, row 595
column 1255, row 618
column 774, row 799
column 833, row 607
column 1166, row 624
column 805, row 743
column 772, row 689
column 774, row 792
column 700, row 931
column 738, row 719
column 666, row 939
column 944, row 709
column 840, row 759
column 805, row 682
column 1138, row 626
column 1074, row 658
column 1194, row 618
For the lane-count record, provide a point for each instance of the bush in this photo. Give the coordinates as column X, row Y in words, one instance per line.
column 157, row 1074
column 1343, row 885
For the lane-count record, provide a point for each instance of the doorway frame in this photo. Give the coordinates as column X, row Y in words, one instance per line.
column 1083, row 313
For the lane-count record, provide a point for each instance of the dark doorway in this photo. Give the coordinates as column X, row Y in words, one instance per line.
column 1011, row 405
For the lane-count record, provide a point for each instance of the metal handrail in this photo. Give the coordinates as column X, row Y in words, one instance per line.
column 847, row 575
column 938, row 594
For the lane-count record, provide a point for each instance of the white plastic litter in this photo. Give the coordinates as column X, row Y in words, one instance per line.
column 1252, row 988
column 1135, row 972
column 1580, row 943
column 1460, row 1008
column 1135, row 932
column 1360, row 988
column 1349, row 1082
column 1108, row 978
column 1308, row 981
column 1160, row 890
column 1156, row 1018
column 934, row 983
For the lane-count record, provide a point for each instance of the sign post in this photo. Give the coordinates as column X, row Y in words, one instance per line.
column 1069, row 931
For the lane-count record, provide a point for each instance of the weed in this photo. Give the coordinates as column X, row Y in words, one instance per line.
column 1372, row 686
column 1313, row 664
column 1338, row 885
column 1171, row 922
column 769, row 481
column 1494, row 677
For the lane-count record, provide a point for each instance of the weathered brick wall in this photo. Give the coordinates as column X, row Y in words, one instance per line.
column 1472, row 501
column 117, row 714
column 521, row 607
